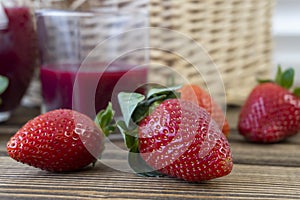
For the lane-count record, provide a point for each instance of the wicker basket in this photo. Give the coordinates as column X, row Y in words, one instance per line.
column 236, row 34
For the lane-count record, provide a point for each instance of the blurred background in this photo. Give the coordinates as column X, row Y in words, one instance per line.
column 245, row 38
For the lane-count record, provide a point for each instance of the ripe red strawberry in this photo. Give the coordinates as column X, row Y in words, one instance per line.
column 169, row 136
column 58, row 141
column 203, row 99
column 271, row 113
column 181, row 140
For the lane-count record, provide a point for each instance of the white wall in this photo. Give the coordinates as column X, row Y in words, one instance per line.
column 286, row 30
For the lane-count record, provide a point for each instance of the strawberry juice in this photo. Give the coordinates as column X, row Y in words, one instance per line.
column 87, row 91
column 17, row 55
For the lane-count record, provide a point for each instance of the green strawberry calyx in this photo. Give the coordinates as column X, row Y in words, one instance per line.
column 135, row 107
column 105, row 120
column 285, row 79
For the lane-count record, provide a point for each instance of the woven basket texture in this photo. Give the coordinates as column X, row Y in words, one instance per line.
column 235, row 34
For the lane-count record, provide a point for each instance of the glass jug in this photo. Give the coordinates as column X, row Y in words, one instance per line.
column 87, row 57
column 18, row 49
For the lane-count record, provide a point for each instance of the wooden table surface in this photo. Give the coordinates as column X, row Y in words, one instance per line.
column 260, row 172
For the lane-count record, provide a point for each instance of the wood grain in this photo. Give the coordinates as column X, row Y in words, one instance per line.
column 260, row 172
column 245, row 182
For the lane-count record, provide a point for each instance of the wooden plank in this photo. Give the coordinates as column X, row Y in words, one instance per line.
column 245, row 182
column 285, row 153
column 281, row 154
column 260, row 172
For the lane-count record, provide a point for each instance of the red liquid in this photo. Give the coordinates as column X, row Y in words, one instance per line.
column 17, row 55
column 87, row 91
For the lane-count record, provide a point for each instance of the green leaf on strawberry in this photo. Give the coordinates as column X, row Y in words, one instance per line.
column 170, row 92
column 278, row 75
column 105, row 120
column 129, row 135
column 134, row 108
column 284, row 78
column 297, row 92
column 130, row 102
column 287, row 78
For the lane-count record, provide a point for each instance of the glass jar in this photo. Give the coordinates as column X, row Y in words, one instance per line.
column 87, row 57
column 18, row 51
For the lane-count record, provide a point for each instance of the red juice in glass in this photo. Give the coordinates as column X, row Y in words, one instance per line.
column 17, row 55
column 88, row 91
column 75, row 50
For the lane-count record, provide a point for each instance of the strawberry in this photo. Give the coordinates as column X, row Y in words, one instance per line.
column 181, row 140
column 203, row 99
column 170, row 136
column 60, row 140
column 271, row 113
